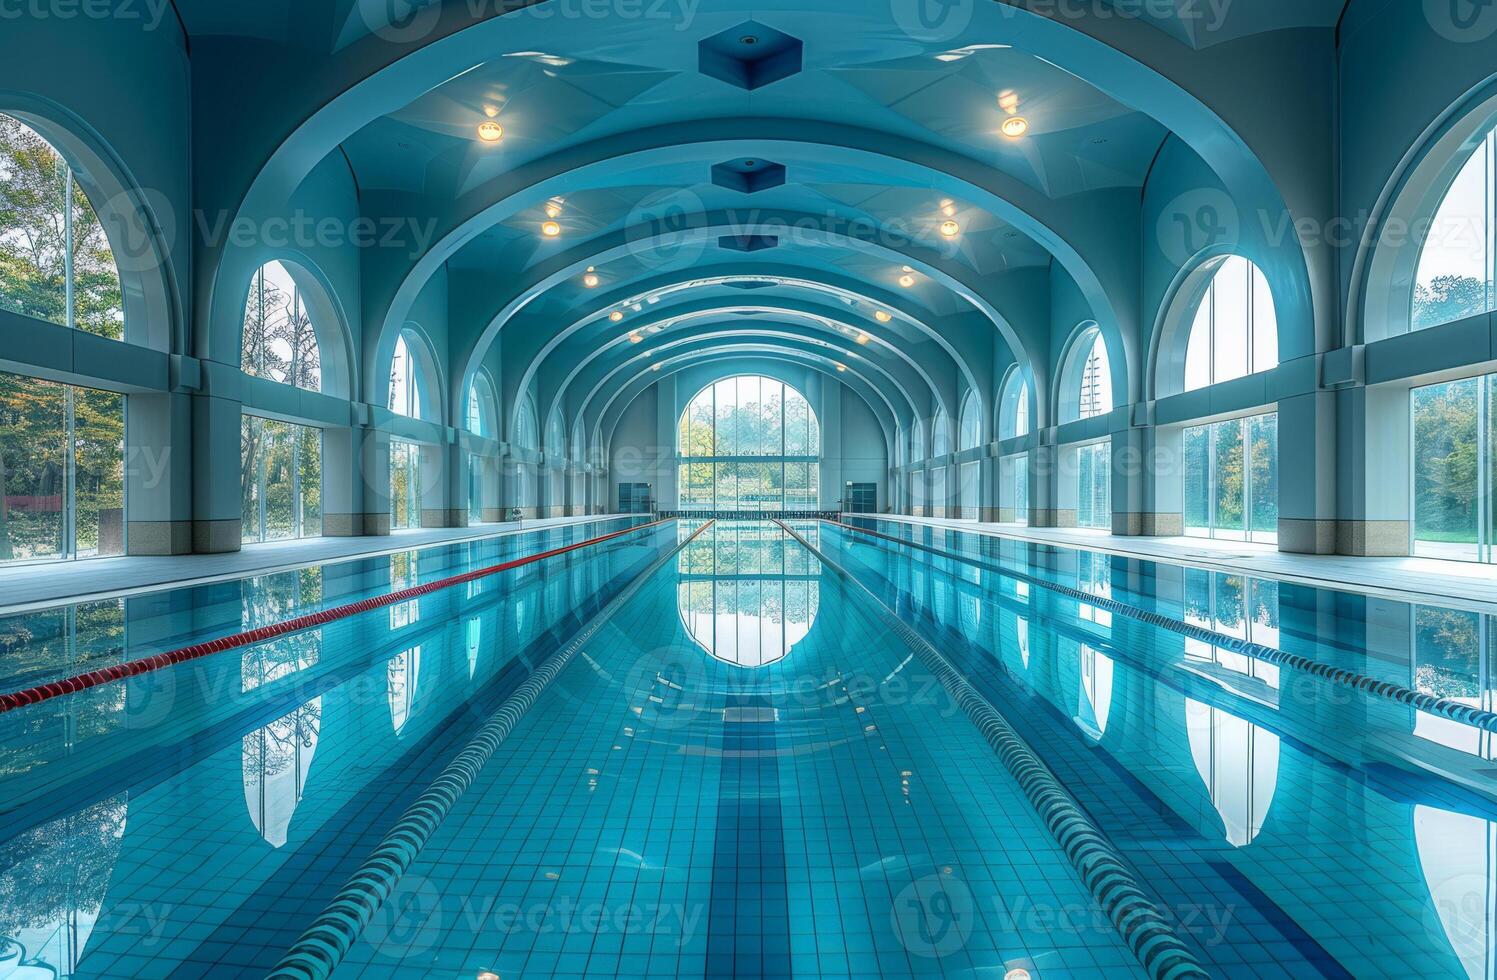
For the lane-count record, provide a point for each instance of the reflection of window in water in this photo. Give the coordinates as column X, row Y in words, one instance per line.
column 403, row 677
column 1094, row 702
column 1452, row 660
column 276, row 760
column 474, row 636
column 1232, row 605
column 53, row 885
column 1239, row 763
column 1458, row 855
column 747, row 593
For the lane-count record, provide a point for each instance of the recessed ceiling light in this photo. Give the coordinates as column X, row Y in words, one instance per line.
column 862, row 338
column 1015, row 127
column 882, row 316
column 490, row 131
column 591, row 280
column 950, row 229
column 1008, row 102
column 748, row 39
column 948, row 208
column 616, row 315
column 550, row 229
column 907, row 280
column 487, row 975
column 635, row 338
column 553, row 208
column 841, row 367
column 1017, row 973
column 654, row 367
column 908, row 268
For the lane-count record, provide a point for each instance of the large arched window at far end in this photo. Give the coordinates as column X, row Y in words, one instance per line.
column 749, row 443
column 1456, row 277
column 1236, row 329
column 55, row 260
column 280, row 339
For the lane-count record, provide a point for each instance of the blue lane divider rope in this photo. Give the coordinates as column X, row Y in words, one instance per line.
column 1101, row 867
column 1432, row 704
column 328, row 939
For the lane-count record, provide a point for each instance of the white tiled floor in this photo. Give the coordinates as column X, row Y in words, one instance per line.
column 1448, row 583
column 24, row 586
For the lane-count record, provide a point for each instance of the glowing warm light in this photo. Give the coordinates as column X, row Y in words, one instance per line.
column 591, row 280
column 1008, row 102
column 862, row 338
column 490, row 132
column 550, row 229
column 1017, row 973
column 487, row 975
column 616, row 315
column 843, row 367
column 1015, row 127
column 948, row 209
column 635, row 338
column 654, row 367
column 882, row 316
column 950, row 229
column 907, row 280
column 553, row 208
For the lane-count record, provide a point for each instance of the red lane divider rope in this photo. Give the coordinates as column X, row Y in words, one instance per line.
column 134, row 668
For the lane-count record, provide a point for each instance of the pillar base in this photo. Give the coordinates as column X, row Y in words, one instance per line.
column 1162, row 525
column 216, row 537
column 1373, row 539
column 342, row 525
column 1307, row 537
column 377, row 524
column 1127, row 524
column 159, row 538
column 1052, row 518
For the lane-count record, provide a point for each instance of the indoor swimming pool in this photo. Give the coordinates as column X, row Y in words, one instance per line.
column 748, row 748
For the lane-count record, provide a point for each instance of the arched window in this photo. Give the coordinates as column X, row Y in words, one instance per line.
column 411, row 385
column 1456, row 277
column 901, row 446
column 940, row 435
column 749, row 443
column 971, row 427
column 280, row 340
column 556, row 434
column 1013, row 407
column 917, row 442
column 478, row 416
column 527, row 427
column 576, row 450
column 1236, row 331
column 1086, row 378
column 55, row 259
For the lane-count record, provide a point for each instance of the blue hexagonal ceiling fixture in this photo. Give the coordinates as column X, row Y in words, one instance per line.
column 750, row 55
column 749, row 175
column 748, row 243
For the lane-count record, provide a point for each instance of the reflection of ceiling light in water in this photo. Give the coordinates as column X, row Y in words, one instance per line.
column 550, row 229
column 950, row 229
column 616, row 315
column 907, row 280
column 490, row 132
column 881, row 316
column 1015, row 127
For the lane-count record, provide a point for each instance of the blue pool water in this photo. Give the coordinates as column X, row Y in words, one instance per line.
column 748, row 772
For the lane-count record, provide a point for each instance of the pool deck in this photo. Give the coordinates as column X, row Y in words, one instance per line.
column 1447, row 583
column 25, row 587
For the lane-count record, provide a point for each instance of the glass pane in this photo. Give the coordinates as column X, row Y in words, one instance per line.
column 1265, row 325
column 1453, row 280
column 1230, row 289
column 99, row 472
column 250, row 434
column 33, row 460
column 1228, row 481
column 309, row 482
column 1198, row 481
column 1445, row 470
column 1263, row 441
column 280, row 491
column 1094, row 493
column 1198, row 350
column 1021, row 489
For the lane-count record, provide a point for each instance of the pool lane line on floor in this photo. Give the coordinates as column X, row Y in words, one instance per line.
column 1099, row 864
column 1429, row 703
column 218, row 578
column 134, row 668
column 328, row 939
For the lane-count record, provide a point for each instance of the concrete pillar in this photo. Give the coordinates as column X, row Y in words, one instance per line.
column 1307, row 473
column 1044, row 490
column 1164, row 477
column 1129, row 481
column 343, row 481
column 217, row 493
column 1376, row 512
column 1064, row 486
column 159, row 474
column 374, row 473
